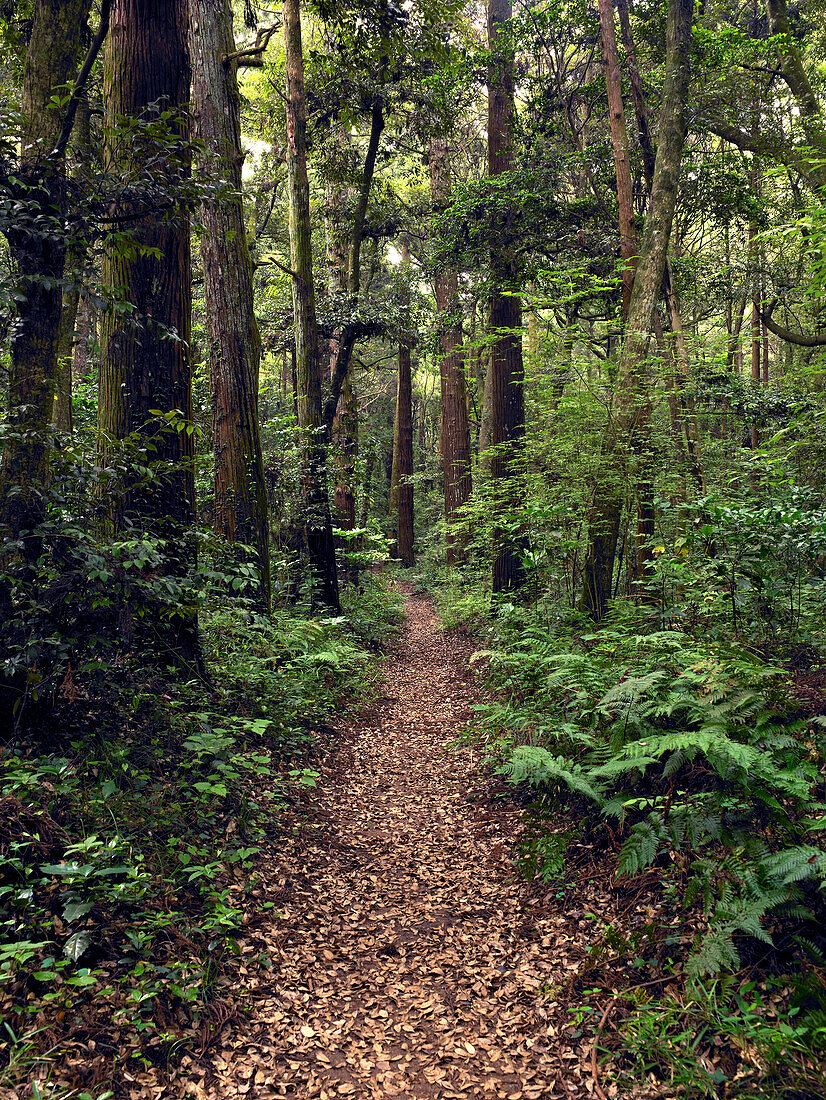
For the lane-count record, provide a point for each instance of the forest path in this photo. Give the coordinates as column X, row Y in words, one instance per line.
column 408, row 957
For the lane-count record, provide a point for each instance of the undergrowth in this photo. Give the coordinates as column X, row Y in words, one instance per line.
column 687, row 759
column 130, row 825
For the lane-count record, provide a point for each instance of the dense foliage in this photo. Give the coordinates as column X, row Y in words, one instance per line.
column 579, row 322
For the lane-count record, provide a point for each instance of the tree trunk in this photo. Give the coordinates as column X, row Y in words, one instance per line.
column 455, row 435
column 401, row 489
column 38, row 262
column 318, row 525
column 345, row 426
column 233, row 339
column 619, row 142
column 507, row 371
column 345, row 338
column 145, row 366
column 630, row 400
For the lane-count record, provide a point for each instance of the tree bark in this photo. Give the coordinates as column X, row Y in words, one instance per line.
column 318, row 525
column 345, row 338
column 619, row 142
column 507, row 370
column 345, row 427
column 233, row 338
column 630, row 399
column 145, row 349
column 401, row 489
column 38, row 261
column 455, row 434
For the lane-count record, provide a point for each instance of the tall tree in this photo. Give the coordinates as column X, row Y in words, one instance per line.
column 401, row 487
column 506, row 368
column 619, row 142
column 318, row 525
column 455, row 434
column 145, row 345
column 37, row 245
column 234, row 342
column 629, row 407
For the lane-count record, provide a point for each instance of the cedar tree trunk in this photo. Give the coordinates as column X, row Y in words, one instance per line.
column 38, row 260
column 506, row 371
column 145, row 349
column 233, row 339
column 455, row 435
column 318, row 526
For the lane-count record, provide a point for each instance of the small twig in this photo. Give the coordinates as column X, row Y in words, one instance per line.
column 594, row 1069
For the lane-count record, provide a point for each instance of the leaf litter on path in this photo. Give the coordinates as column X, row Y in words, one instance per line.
column 407, row 957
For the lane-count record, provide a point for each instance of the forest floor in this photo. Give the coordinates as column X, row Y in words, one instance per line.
column 406, row 956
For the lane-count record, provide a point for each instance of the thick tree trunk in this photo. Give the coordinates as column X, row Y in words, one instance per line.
column 38, row 261
column 145, row 366
column 318, row 525
column 507, row 371
column 809, row 106
column 630, row 400
column 233, row 339
column 455, row 435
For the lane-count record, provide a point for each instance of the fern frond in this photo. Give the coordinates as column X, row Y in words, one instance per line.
column 535, row 765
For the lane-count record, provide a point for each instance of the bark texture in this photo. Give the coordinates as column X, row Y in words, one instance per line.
column 233, row 339
column 506, row 369
column 455, row 433
column 145, row 347
column 38, row 261
column 629, row 410
column 619, row 143
column 318, row 525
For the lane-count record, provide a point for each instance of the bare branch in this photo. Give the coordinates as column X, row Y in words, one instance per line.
column 252, row 55
column 803, row 341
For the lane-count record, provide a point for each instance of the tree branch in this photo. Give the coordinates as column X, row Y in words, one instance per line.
column 82, row 79
column 817, row 341
column 252, row 55
column 376, row 127
column 271, row 260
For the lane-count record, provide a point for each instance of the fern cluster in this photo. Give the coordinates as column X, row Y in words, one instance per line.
column 692, row 753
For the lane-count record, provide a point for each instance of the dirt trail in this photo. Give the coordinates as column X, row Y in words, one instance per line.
column 407, row 958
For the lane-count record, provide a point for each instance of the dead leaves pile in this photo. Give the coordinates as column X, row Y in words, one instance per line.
column 406, row 957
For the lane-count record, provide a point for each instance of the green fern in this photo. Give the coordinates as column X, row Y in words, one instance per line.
column 538, row 767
